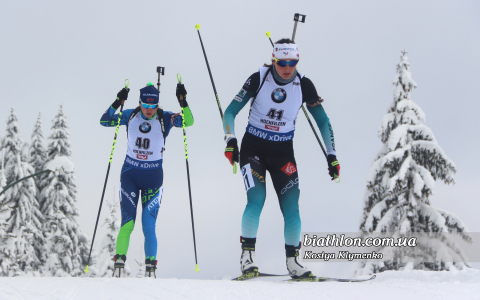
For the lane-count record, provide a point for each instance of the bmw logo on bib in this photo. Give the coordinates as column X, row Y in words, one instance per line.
column 279, row 95
column 145, row 127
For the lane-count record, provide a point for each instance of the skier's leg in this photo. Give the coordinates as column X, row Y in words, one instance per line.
column 253, row 172
column 128, row 203
column 283, row 171
column 152, row 190
column 151, row 199
column 287, row 185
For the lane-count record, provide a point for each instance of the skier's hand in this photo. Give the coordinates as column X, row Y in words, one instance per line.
column 333, row 166
column 231, row 151
column 123, row 94
column 181, row 95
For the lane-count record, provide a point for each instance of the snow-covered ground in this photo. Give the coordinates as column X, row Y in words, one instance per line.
column 389, row 285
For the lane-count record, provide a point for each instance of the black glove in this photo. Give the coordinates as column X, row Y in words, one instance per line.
column 231, row 151
column 181, row 91
column 333, row 166
column 123, row 94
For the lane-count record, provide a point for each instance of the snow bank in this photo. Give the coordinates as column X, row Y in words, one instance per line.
column 389, row 285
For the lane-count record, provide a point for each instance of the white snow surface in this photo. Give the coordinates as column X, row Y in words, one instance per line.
column 390, row 285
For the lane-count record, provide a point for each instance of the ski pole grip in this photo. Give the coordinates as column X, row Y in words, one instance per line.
column 179, row 78
column 197, row 26
column 337, row 179
column 127, row 83
column 268, row 34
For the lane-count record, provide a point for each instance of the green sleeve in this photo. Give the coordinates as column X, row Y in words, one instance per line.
column 324, row 126
column 188, row 117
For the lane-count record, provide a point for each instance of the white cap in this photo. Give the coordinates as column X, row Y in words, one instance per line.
column 285, row 51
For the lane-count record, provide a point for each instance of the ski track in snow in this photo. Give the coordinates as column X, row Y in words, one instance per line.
column 389, row 285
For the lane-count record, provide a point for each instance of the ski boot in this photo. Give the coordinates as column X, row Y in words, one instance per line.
column 119, row 266
column 295, row 269
column 247, row 260
column 150, row 267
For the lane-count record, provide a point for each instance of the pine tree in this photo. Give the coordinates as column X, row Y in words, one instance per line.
column 8, row 266
column 37, row 158
column 400, row 186
column 108, row 243
column 64, row 243
column 38, row 154
column 25, row 219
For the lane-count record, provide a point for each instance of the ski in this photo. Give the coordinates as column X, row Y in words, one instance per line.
column 325, row 279
column 255, row 274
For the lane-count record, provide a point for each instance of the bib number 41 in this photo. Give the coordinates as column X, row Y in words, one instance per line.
column 275, row 114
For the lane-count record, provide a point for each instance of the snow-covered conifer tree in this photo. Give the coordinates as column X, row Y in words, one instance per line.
column 108, row 243
column 400, row 186
column 25, row 218
column 8, row 266
column 57, row 202
column 38, row 154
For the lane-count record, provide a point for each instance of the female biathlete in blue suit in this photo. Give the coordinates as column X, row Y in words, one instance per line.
column 147, row 128
column 276, row 93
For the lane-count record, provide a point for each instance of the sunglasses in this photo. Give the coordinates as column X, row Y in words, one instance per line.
column 147, row 106
column 284, row 63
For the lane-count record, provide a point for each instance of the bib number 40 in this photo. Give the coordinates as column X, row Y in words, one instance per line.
column 142, row 143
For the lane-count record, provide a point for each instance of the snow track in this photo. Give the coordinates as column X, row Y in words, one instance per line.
column 392, row 285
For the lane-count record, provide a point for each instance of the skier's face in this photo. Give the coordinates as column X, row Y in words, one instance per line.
column 148, row 112
column 284, row 72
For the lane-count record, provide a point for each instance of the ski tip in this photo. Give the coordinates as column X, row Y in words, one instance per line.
column 86, row 269
column 197, row 26
column 234, row 168
column 373, row 277
column 179, row 77
column 127, row 83
column 268, row 34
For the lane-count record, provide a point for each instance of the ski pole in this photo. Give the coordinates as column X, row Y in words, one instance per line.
column 127, row 82
column 213, row 85
column 179, row 77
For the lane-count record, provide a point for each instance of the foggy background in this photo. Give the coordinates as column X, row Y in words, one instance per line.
column 78, row 54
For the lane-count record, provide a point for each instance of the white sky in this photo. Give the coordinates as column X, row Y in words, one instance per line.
column 78, row 54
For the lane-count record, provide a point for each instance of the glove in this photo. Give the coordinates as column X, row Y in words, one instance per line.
column 181, row 91
column 333, row 166
column 231, row 151
column 123, row 94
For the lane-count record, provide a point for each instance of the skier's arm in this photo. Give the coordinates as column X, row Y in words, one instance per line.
column 241, row 99
column 177, row 121
column 314, row 106
column 110, row 119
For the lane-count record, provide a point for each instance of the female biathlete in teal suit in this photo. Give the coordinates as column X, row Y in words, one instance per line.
column 276, row 93
column 147, row 128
